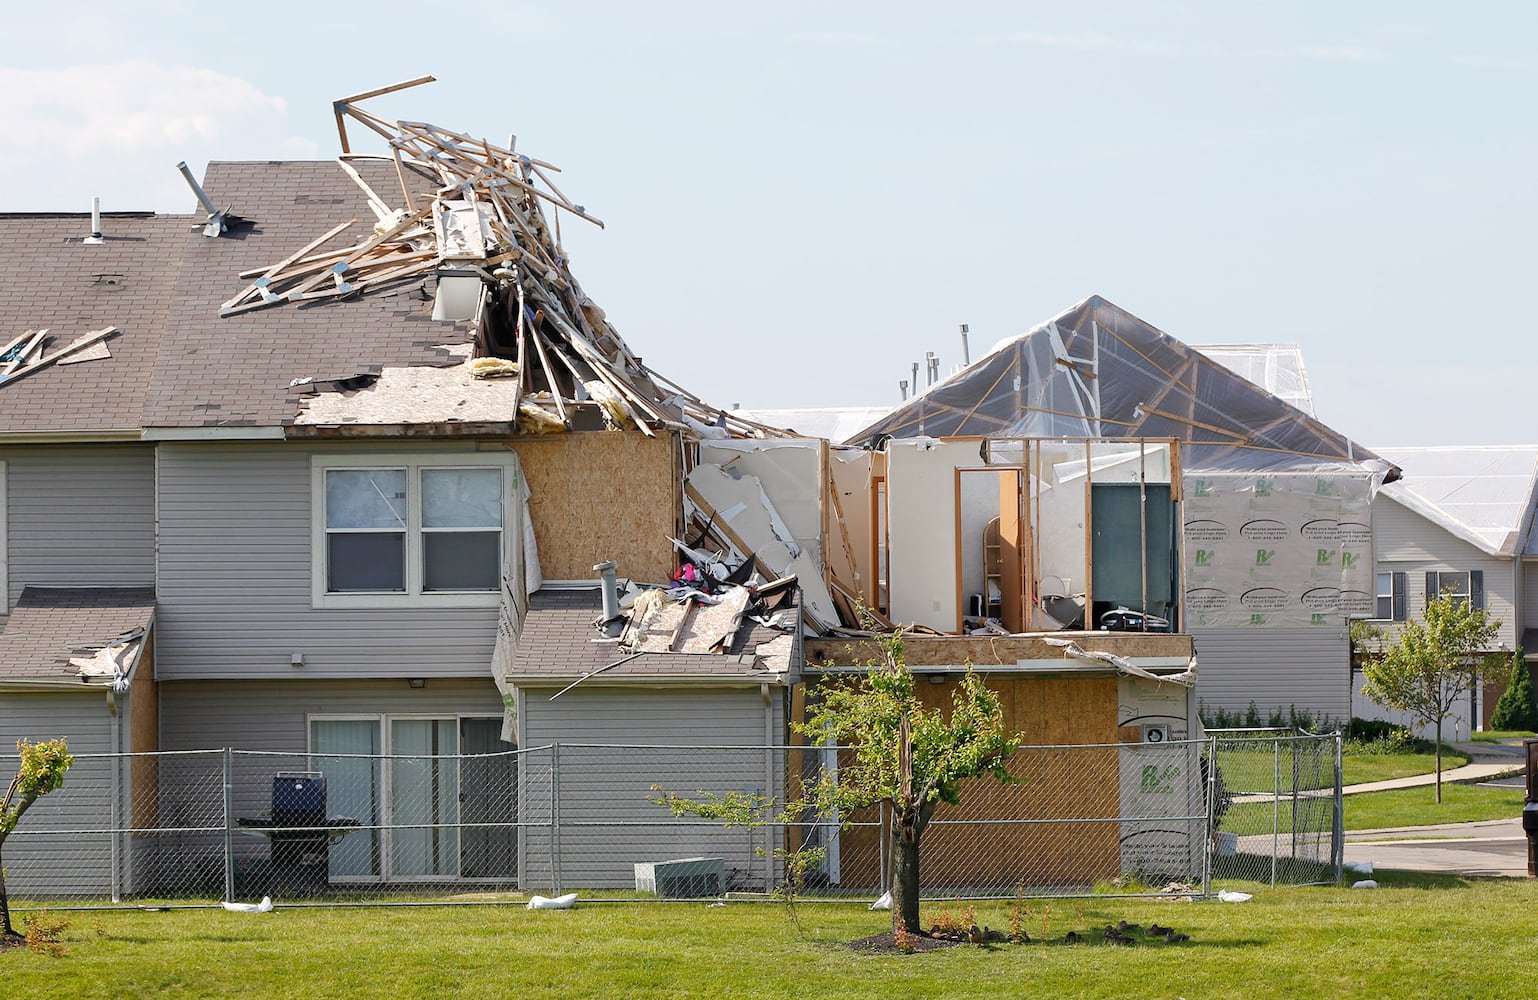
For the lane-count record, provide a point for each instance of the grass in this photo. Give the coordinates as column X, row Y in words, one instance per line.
column 1497, row 735
column 1283, row 943
column 1381, row 810
column 1359, row 769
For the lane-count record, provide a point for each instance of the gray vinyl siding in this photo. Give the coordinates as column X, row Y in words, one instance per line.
column 1529, row 597
column 235, row 601
column 268, row 721
column 52, row 851
column 78, row 516
column 1276, row 668
column 1405, row 542
column 610, row 785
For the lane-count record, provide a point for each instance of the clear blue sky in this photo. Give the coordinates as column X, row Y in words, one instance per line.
column 803, row 198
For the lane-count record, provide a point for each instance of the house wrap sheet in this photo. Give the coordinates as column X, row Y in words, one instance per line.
column 1277, row 549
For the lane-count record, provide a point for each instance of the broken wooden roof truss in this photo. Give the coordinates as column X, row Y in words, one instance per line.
column 490, row 233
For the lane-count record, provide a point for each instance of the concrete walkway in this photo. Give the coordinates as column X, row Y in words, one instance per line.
column 1487, row 762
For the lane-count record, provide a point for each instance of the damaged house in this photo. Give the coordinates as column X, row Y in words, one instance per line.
column 334, row 469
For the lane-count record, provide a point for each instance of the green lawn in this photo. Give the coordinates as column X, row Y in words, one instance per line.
column 1359, row 769
column 1284, row 943
column 1498, row 735
column 1378, row 810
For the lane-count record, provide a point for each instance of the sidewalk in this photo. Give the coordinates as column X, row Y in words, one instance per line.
column 1487, row 762
column 1492, row 848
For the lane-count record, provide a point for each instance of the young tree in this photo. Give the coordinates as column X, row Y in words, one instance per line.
column 908, row 757
column 40, row 772
column 1516, row 708
column 1433, row 664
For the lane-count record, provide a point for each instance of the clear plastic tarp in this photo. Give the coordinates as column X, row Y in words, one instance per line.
column 1097, row 371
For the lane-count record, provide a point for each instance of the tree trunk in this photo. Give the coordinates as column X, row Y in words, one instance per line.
column 1439, row 762
column 905, row 886
column 7, row 932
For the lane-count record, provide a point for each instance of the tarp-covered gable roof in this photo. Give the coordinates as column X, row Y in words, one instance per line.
column 1482, row 494
column 1098, row 371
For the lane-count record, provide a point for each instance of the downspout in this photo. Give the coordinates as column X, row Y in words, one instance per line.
column 769, row 828
column 117, row 791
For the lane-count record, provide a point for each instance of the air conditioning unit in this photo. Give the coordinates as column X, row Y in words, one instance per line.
column 1156, row 734
column 683, row 878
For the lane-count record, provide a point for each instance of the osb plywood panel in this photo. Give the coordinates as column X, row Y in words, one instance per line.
column 1055, row 784
column 143, row 737
column 604, row 495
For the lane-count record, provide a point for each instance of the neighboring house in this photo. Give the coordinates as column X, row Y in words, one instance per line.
column 1461, row 522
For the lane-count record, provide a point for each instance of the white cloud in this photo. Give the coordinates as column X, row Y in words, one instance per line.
column 1343, row 53
column 1085, row 41
column 118, row 130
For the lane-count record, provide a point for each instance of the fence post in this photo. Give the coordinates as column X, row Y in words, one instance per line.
column 1212, row 814
column 229, row 827
column 1276, row 807
column 115, row 816
column 1297, row 779
column 555, row 819
column 1338, row 849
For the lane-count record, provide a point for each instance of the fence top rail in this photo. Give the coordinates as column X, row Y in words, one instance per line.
column 137, row 753
column 328, row 755
column 1294, row 738
column 813, row 748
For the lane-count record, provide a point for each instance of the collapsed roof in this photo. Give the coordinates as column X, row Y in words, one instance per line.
column 1097, row 371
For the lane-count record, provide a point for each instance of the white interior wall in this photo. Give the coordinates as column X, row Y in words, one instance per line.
column 849, row 469
column 921, row 505
column 979, row 505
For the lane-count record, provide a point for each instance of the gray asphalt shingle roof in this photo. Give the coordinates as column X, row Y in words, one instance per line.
column 49, row 625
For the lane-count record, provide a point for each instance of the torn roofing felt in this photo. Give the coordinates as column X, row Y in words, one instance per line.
column 1097, row 371
column 445, row 227
column 78, row 635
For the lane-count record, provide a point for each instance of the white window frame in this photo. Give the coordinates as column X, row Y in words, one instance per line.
column 413, row 464
column 1395, row 595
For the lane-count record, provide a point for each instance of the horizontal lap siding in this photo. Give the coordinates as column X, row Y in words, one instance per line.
column 235, row 569
column 1405, row 542
column 270, row 717
column 41, row 858
column 1276, row 668
column 78, row 516
column 608, row 821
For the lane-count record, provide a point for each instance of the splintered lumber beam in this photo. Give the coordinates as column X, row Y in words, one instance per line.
column 86, row 341
column 342, row 105
column 272, row 271
column 381, row 210
column 22, row 354
column 361, row 249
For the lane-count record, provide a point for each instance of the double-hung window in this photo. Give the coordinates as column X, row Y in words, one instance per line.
column 1391, row 597
column 1462, row 585
column 409, row 531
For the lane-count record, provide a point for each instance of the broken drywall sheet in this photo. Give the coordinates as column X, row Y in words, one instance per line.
column 744, row 506
column 787, row 470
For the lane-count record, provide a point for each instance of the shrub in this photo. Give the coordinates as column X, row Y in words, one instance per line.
column 1516, row 708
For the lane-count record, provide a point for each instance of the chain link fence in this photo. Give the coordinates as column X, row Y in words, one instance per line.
column 229, row 824
column 1277, row 807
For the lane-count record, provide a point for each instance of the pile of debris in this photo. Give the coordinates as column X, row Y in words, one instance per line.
column 497, row 256
column 25, row 354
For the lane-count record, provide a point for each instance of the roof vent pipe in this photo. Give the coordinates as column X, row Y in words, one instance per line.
column 610, row 590
column 95, row 239
column 902, row 384
column 915, row 378
column 934, row 366
column 966, row 354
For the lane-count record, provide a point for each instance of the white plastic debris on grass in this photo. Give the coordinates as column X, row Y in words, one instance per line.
column 1234, row 897
column 265, row 906
column 546, row 903
column 1365, row 883
column 884, row 903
